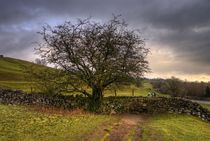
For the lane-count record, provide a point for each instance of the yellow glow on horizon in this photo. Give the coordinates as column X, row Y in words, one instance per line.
column 164, row 64
column 187, row 77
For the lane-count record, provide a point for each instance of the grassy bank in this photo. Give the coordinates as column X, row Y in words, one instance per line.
column 172, row 127
column 20, row 123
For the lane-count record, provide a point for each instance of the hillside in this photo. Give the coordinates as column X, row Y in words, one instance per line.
column 12, row 69
column 12, row 73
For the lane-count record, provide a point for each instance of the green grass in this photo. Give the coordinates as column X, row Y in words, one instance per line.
column 171, row 127
column 127, row 91
column 12, row 69
column 138, row 91
column 12, row 73
column 19, row 123
column 207, row 106
column 18, row 85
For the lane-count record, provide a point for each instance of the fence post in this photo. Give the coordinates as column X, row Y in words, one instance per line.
column 115, row 92
column 132, row 92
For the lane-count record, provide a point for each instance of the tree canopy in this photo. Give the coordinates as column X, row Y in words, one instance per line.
column 95, row 54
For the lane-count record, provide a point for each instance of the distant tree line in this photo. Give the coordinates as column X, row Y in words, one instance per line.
column 178, row 88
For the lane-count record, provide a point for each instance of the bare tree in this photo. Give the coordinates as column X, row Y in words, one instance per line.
column 95, row 54
column 40, row 61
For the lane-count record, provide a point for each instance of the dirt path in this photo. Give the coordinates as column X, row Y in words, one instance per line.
column 118, row 130
column 121, row 131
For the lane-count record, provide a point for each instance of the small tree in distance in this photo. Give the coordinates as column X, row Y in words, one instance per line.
column 40, row 62
column 95, row 54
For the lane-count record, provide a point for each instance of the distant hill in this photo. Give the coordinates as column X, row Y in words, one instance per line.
column 12, row 69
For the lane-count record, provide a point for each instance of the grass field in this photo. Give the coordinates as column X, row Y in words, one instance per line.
column 12, row 69
column 29, row 124
column 171, row 127
column 12, row 76
column 18, row 85
column 21, row 123
column 138, row 91
column 207, row 106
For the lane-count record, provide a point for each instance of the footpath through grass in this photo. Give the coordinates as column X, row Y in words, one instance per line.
column 19, row 123
column 171, row 127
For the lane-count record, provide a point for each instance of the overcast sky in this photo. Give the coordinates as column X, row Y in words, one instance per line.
column 176, row 31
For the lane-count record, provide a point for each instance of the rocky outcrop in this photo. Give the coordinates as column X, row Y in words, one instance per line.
column 117, row 105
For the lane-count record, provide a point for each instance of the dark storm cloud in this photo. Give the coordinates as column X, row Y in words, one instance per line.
column 15, row 42
column 178, row 14
column 188, row 44
column 181, row 25
column 22, row 10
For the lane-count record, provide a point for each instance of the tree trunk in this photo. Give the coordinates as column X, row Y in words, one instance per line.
column 97, row 95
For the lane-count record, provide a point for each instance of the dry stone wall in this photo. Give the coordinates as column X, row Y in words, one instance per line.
column 110, row 105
